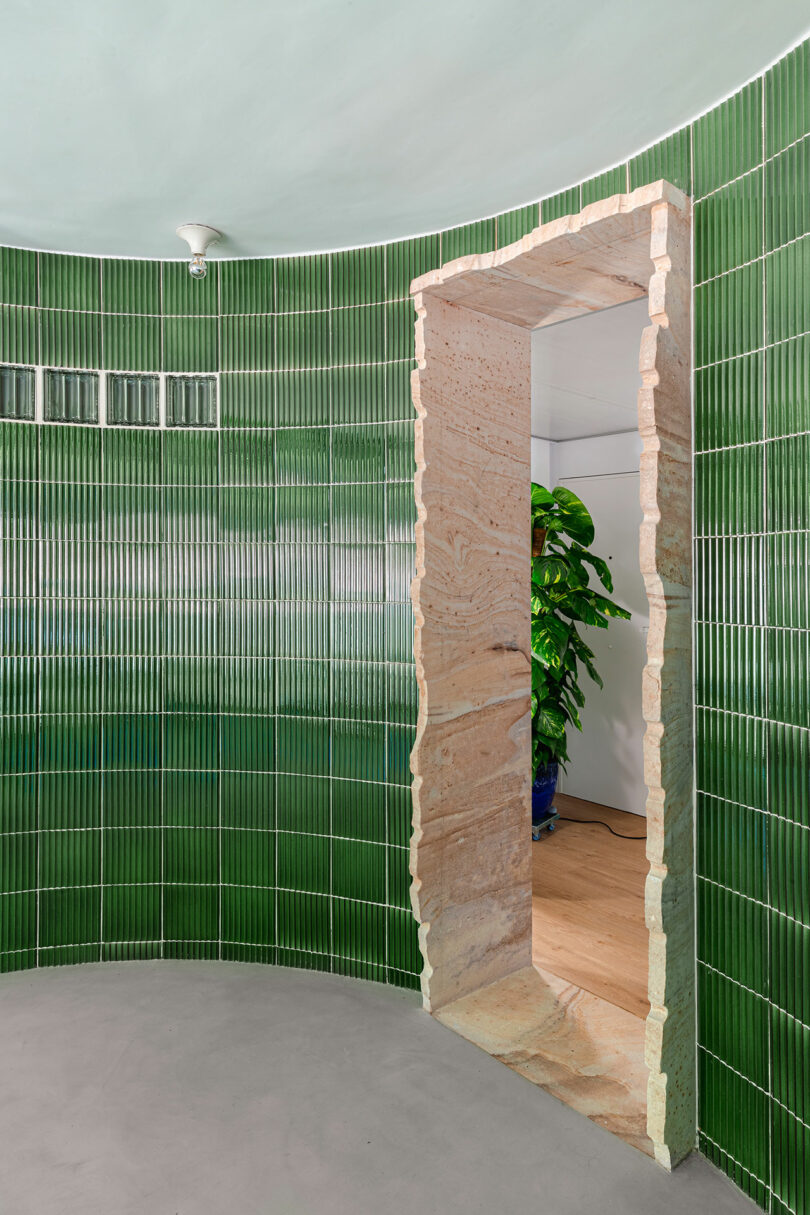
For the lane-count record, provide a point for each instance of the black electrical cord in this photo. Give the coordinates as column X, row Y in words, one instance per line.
column 597, row 822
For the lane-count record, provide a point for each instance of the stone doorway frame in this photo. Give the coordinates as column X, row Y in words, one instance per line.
column 470, row 849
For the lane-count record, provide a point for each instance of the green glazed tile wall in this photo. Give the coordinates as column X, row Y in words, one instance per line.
column 208, row 692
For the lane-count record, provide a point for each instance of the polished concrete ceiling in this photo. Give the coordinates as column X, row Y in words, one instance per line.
column 314, row 124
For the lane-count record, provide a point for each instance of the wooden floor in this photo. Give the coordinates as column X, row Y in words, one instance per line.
column 588, row 904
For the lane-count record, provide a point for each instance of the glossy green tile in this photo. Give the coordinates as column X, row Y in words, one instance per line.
column 358, row 572
column 190, row 800
column 788, row 764
column 247, row 513
column 358, row 810
column 787, row 208
column 788, row 676
column 18, row 924
column 512, row 225
column 131, row 343
column 131, row 457
column 670, row 159
column 246, row 685
column 247, row 458
column 248, row 858
column 67, row 281
column 249, row 915
column 302, row 283
column 788, row 387
column 358, row 334
column 400, row 458
column 19, row 335
column 132, row 742
column 246, row 571
column 302, row 746
column 728, row 491
column 18, row 862
column 247, row 286
column 128, row 285
column 732, row 935
column 787, row 465
column 729, row 402
column 190, row 854
column 69, row 858
column 190, row 740
column 358, row 631
column 400, row 319
column 398, row 391
column 69, row 917
column 358, row 750
column 477, row 237
column 406, row 260
column 20, row 510
column 303, row 924
column 568, row 202
column 787, row 307
column 302, row 513
column 246, row 629
column 190, row 459
column 183, row 295
column 359, row 931
column 730, row 757
column 189, row 514
column 403, row 943
column 302, row 687
column 791, row 1063
column 734, row 1113
column 787, row 99
column 791, row 1148
column 358, row 453
column 303, row 862
column 18, row 276
column 725, row 658
column 302, row 397
column 731, row 846
column 19, row 452
column 69, row 799
column 358, row 393
column 131, row 855
column 727, row 141
column 614, row 181
column 728, row 315
column 190, row 913
column 302, row 340
column 247, row 343
column 399, row 627
column 248, row 742
column 398, row 891
column 66, row 685
column 728, row 226
column 131, row 913
column 358, row 871
column 302, row 803
column 190, row 344
column 69, row 743
column 303, row 630
column 399, row 741
column 402, row 694
column 18, row 801
column 357, row 276
column 247, row 399
column 70, row 339
column 358, row 513
column 190, row 684
column 302, row 457
column 247, row 799
column 358, row 690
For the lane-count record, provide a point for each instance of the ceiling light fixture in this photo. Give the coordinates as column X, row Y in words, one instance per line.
column 198, row 237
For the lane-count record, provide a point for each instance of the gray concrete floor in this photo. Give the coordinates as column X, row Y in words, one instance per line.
column 184, row 1088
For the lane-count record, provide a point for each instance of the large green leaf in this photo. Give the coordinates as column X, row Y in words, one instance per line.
column 575, row 515
column 601, row 568
column 541, row 496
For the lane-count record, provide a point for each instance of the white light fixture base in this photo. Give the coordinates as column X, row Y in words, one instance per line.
column 198, row 237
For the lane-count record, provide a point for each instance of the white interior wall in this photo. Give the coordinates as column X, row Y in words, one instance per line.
column 584, row 387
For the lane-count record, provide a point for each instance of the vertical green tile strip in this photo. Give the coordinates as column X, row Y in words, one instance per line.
column 728, row 140
column 670, row 159
column 18, row 277
column 787, row 100
column 614, row 181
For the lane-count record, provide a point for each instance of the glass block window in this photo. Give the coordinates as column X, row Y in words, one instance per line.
column 17, row 388
column 133, row 400
column 191, row 400
column 71, row 396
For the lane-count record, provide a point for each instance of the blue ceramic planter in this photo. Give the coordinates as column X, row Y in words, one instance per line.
column 543, row 791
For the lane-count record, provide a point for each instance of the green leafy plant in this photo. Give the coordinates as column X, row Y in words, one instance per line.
column 562, row 599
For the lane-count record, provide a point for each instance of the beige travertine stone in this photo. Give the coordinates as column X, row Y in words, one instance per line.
column 471, row 888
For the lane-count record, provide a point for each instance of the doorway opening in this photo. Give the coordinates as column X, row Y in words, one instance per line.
column 470, row 859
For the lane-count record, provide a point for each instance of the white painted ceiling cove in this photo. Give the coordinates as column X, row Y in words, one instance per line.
column 300, row 125
column 585, row 376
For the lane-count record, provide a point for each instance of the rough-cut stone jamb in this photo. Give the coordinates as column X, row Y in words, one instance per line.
column 453, row 700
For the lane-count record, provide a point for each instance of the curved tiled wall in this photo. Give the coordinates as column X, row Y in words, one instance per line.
column 207, row 695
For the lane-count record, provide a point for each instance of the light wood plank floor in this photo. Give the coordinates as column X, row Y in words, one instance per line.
column 588, row 904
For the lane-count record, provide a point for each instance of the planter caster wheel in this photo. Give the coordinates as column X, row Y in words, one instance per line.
column 552, row 826
column 535, row 833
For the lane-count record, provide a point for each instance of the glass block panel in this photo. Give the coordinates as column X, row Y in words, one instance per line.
column 133, row 400
column 71, row 396
column 191, row 401
column 17, row 389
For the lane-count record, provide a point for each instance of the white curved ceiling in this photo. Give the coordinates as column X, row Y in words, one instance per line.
column 297, row 125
